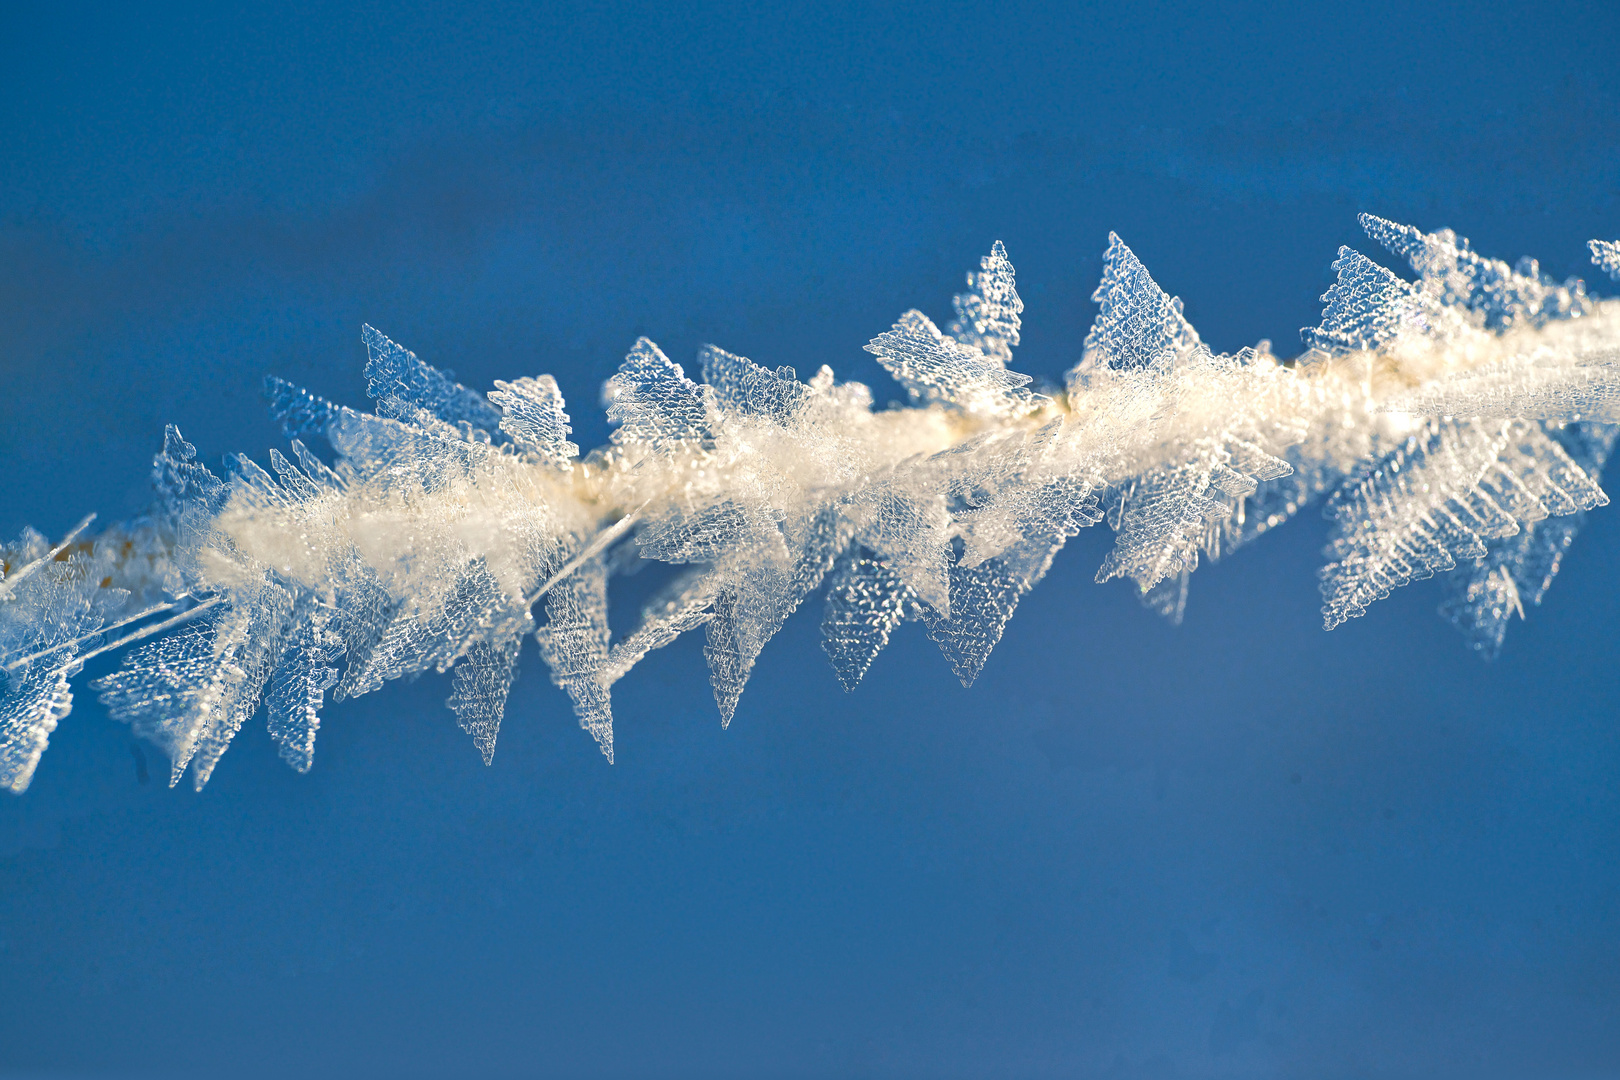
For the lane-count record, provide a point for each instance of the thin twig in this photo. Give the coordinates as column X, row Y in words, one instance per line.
column 156, row 628
column 12, row 665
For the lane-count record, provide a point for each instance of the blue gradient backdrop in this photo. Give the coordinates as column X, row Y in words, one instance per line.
column 1241, row 848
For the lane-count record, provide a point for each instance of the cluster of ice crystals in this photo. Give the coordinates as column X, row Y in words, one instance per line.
column 405, row 388
column 1565, row 371
column 1457, row 425
column 1197, row 439
column 1519, row 569
column 1606, row 254
column 655, row 405
column 574, row 644
column 1139, row 327
column 1437, row 500
column 51, row 603
column 535, row 420
column 1489, row 291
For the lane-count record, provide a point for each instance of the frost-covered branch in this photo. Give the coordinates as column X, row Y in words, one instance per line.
column 1456, row 424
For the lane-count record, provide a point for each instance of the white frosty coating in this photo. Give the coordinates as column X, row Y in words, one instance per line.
column 1456, row 424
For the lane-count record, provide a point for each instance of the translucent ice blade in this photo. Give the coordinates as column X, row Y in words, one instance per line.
column 29, row 712
column 533, row 416
column 983, row 599
column 403, row 385
column 655, row 405
column 936, row 368
column 760, row 594
column 684, row 606
column 866, row 600
column 190, row 693
column 1430, row 506
column 1139, row 327
column 1162, row 522
column 987, row 316
column 574, row 644
column 298, row 685
column 742, row 386
column 483, row 681
column 1516, row 571
column 1497, row 295
column 1367, row 307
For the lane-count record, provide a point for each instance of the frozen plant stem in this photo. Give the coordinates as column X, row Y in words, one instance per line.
column 1453, row 423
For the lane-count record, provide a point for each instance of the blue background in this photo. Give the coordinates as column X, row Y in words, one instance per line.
column 1240, row 848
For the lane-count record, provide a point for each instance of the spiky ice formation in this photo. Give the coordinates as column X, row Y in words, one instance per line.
column 1455, row 424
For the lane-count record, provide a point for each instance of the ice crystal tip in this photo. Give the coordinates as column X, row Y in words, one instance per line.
column 1456, row 425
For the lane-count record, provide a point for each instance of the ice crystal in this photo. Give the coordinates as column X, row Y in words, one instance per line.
column 303, row 675
column 574, row 643
column 865, row 602
column 1367, row 307
column 1142, row 351
column 49, row 609
column 936, row 368
column 404, row 387
column 1437, row 500
column 1140, row 327
column 483, row 681
column 1519, row 569
column 987, row 317
column 655, row 405
column 534, row 418
column 1456, row 425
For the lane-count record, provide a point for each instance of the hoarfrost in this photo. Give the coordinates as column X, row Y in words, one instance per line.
column 483, row 681
column 865, row 602
column 1518, row 570
column 1491, row 292
column 1457, row 425
column 404, row 387
column 655, row 405
column 1140, row 326
column 574, row 644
